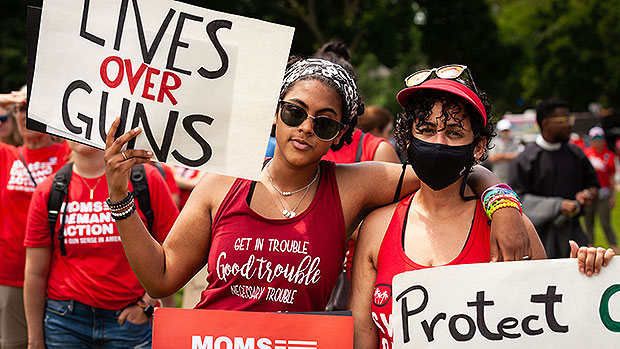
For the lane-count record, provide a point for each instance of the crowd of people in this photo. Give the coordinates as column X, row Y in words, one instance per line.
column 92, row 240
column 538, row 171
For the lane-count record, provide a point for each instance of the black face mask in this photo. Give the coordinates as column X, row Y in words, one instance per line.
column 439, row 165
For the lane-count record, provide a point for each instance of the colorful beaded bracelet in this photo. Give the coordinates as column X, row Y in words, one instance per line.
column 500, row 196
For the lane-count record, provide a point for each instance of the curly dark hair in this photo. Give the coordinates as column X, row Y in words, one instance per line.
column 347, row 118
column 419, row 107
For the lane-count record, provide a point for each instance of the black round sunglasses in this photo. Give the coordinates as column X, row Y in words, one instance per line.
column 324, row 127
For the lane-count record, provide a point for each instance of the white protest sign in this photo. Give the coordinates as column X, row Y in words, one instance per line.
column 203, row 85
column 532, row 304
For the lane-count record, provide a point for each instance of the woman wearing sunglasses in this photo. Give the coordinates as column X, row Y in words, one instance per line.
column 445, row 130
column 276, row 244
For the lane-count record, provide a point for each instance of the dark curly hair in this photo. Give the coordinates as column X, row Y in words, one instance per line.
column 347, row 118
column 419, row 107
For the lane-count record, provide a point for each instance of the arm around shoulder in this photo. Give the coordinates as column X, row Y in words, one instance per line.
column 368, row 185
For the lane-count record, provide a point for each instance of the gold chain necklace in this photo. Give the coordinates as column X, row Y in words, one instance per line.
column 92, row 190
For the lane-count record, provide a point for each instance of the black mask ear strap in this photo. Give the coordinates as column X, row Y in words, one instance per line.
column 463, row 183
column 400, row 183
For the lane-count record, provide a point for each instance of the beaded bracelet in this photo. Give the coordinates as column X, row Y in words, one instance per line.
column 493, row 193
column 502, row 205
column 122, row 209
column 124, row 214
column 500, row 196
column 119, row 204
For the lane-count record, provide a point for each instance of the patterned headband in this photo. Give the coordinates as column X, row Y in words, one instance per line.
column 332, row 71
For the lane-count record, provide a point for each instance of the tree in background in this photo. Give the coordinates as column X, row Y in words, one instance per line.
column 568, row 49
column 13, row 44
column 520, row 51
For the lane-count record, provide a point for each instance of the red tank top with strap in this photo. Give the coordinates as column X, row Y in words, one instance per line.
column 393, row 260
column 261, row 264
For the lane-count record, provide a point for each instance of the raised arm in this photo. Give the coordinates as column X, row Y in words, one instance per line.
column 14, row 97
column 165, row 268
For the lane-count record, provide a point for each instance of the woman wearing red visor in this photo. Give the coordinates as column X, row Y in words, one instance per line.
column 445, row 130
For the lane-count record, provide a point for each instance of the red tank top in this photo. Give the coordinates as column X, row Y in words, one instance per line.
column 348, row 153
column 392, row 260
column 261, row 264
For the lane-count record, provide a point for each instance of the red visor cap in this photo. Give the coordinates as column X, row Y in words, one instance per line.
column 450, row 86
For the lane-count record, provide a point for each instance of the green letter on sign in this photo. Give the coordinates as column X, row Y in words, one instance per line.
column 603, row 310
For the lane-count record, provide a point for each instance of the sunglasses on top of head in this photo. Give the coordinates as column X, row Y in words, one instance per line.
column 324, row 127
column 457, row 72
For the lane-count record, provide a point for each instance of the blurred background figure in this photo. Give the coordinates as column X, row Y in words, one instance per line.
column 21, row 170
column 377, row 121
column 8, row 127
column 186, row 179
column 503, row 150
column 554, row 180
column 577, row 139
column 602, row 160
column 168, row 173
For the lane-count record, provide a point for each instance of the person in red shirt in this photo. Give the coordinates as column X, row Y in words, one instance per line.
column 88, row 296
column 277, row 243
column 445, row 130
column 186, row 179
column 172, row 184
column 377, row 121
column 21, row 170
column 602, row 160
column 372, row 149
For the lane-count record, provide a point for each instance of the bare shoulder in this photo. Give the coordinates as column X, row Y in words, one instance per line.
column 386, row 152
column 212, row 189
column 380, row 217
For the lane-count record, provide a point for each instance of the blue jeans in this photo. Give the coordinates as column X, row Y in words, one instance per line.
column 71, row 324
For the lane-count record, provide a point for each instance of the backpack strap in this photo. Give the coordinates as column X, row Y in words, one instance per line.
column 27, row 169
column 160, row 168
column 360, row 148
column 140, row 186
column 59, row 193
